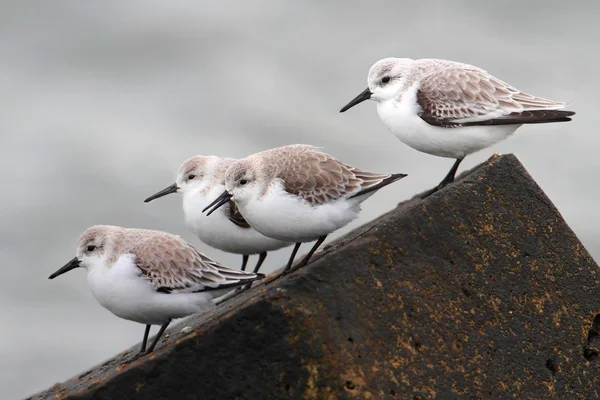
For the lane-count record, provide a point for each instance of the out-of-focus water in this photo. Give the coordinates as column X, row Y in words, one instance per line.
column 101, row 102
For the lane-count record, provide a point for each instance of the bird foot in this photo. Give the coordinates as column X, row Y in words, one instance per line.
column 287, row 271
column 431, row 191
column 136, row 357
column 276, row 277
column 239, row 290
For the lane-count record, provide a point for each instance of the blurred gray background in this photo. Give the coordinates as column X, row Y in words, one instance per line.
column 102, row 101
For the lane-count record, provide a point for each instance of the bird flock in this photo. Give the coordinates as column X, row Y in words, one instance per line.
column 293, row 194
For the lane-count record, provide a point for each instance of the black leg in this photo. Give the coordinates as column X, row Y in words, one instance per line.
column 452, row 173
column 291, row 260
column 162, row 330
column 288, row 267
column 244, row 261
column 156, row 339
column 302, row 263
column 449, row 178
column 320, row 241
column 261, row 259
column 143, row 349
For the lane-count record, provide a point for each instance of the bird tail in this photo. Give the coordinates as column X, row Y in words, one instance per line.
column 374, row 182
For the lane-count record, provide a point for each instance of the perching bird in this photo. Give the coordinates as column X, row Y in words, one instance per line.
column 450, row 109
column 200, row 179
column 298, row 194
column 150, row 277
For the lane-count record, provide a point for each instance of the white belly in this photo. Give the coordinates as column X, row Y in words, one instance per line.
column 402, row 121
column 216, row 230
column 123, row 291
column 283, row 216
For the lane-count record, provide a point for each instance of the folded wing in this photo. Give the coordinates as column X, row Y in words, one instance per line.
column 464, row 95
column 236, row 217
column 173, row 266
column 319, row 178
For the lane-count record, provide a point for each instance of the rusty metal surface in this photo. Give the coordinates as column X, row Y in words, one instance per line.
column 480, row 291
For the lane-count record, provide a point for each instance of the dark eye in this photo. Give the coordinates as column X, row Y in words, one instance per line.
column 243, row 181
column 191, row 176
column 91, row 247
column 385, row 79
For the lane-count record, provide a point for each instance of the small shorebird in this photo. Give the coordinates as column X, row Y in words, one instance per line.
column 450, row 109
column 298, row 194
column 150, row 277
column 200, row 179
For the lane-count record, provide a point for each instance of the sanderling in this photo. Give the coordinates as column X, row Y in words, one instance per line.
column 297, row 193
column 150, row 277
column 419, row 101
column 200, row 179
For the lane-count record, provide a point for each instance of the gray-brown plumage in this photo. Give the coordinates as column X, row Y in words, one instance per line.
column 450, row 109
column 169, row 263
column 236, row 217
column 453, row 94
column 298, row 193
column 150, row 277
column 199, row 179
column 315, row 176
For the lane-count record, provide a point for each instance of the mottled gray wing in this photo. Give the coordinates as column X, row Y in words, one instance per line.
column 319, row 178
column 466, row 95
column 236, row 217
column 173, row 266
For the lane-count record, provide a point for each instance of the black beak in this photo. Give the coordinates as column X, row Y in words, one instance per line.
column 219, row 201
column 74, row 263
column 365, row 95
column 168, row 190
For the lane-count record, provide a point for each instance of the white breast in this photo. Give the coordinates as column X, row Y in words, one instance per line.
column 401, row 118
column 216, row 230
column 281, row 215
column 125, row 292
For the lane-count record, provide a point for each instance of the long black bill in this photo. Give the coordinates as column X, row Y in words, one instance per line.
column 74, row 263
column 219, row 201
column 168, row 190
column 365, row 95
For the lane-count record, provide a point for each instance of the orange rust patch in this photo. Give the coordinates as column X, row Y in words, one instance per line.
column 138, row 386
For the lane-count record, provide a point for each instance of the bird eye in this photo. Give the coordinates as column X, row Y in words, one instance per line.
column 243, row 181
column 191, row 176
column 91, row 247
column 385, row 79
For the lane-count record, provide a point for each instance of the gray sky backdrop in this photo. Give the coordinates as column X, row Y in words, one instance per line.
column 101, row 102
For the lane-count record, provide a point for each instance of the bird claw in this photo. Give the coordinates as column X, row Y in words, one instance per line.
column 429, row 192
column 136, row 357
column 287, row 272
column 239, row 290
